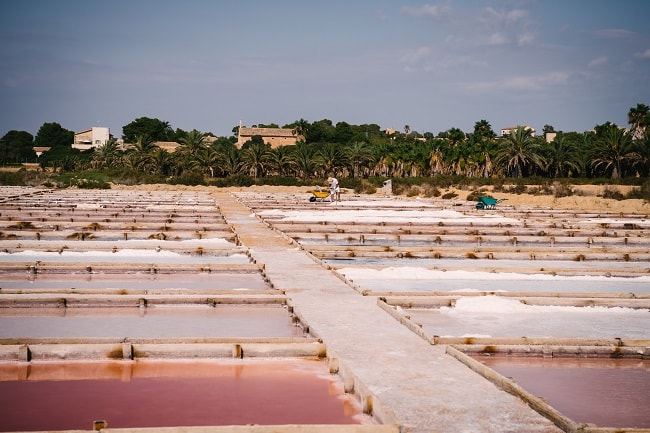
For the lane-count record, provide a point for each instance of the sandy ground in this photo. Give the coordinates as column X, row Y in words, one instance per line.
column 586, row 197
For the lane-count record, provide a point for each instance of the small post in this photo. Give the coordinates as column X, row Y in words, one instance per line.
column 127, row 351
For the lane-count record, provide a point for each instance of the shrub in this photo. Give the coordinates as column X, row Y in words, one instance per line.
column 518, row 188
column 238, row 180
column 643, row 192
column 562, row 190
column 473, row 195
column 449, row 195
column 431, row 190
column 613, row 194
column 364, row 187
column 413, row 191
column 189, row 178
column 92, row 184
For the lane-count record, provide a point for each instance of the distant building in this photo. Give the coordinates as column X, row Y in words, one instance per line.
column 172, row 146
column 91, row 138
column 169, row 146
column 507, row 130
column 40, row 150
column 274, row 136
column 550, row 136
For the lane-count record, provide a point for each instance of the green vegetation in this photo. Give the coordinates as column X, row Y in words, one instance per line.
column 361, row 156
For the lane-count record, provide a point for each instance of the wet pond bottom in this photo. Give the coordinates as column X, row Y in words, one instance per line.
column 150, row 322
column 61, row 396
column 136, row 280
column 605, row 392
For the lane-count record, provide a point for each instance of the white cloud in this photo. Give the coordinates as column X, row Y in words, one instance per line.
column 415, row 57
column 502, row 26
column 537, row 81
column 614, row 33
column 497, row 39
column 516, row 15
column 480, row 26
column 643, row 55
column 429, row 11
column 526, row 38
column 597, row 61
column 523, row 82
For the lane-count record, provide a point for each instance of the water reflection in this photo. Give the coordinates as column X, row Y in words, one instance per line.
column 62, row 396
column 605, row 392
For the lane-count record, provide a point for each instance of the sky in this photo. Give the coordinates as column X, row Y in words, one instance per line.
column 209, row 64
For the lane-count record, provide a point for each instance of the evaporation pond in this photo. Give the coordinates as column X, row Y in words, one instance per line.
column 602, row 391
column 151, row 322
column 496, row 316
column 129, row 394
column 136, row 280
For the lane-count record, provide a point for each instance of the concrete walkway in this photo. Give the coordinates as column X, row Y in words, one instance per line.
column 408, row 381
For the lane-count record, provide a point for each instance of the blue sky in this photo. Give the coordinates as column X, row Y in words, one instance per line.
column 206, row 65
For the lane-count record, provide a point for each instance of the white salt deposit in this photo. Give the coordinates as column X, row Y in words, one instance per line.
column 417, row 273
column 374, row 216
column 493, row 316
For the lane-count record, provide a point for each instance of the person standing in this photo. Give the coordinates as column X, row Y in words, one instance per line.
column 335, row 189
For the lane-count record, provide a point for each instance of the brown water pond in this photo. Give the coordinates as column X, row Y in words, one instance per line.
column 602, row 391
column 150, row 322
column 58, row 396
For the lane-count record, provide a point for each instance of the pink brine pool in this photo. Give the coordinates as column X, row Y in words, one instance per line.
column 605, row 392
column 63, row 396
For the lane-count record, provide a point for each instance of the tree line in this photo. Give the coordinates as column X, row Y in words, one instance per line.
column 349, row 151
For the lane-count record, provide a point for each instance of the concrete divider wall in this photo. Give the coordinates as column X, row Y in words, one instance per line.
column 90, row 349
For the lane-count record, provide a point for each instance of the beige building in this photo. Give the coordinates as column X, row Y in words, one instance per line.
column 91, row 138
column 508, row 129
column 169, row 146
column 274, row 136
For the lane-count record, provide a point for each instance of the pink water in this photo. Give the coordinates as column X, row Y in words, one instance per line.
column 606, row 392
column 159, row 322
column 56, row 396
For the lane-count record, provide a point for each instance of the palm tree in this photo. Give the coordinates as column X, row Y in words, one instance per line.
column 205, row 159
column 256, row 158
column 613, row 151
column 384, row 154
column 281, row 160
column 140, row 155
column 639, row 120
column 330, row 158
column 304, row 160
column 437, row 162
column 300, row 129
column 562, row 157
column 455, row 136
column 483, row 131
column 193, row 142
column 519, row 153
column 161, row 161
column 229, row 161
column 107, row 155
column 642, row 152
column 358, row 155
